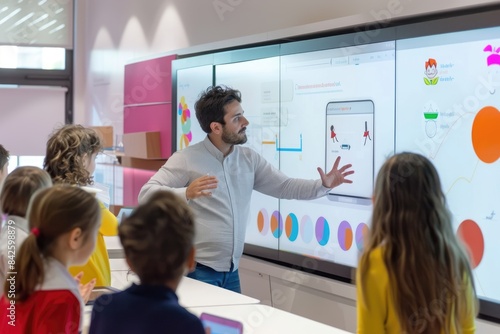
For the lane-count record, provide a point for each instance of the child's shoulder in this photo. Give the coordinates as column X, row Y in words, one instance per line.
column 377, row 253
column 54, row 297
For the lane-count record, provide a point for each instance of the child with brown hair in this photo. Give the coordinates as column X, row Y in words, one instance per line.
column 70, row 159
column 16, row 193
column 40, row 296
column 413, row 276
column 158, row 242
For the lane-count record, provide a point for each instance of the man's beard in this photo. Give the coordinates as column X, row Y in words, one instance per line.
column 232, row 138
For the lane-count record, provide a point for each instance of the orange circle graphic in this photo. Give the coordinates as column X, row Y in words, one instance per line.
column 260, row 221
column 485, row 134
column 472, row 236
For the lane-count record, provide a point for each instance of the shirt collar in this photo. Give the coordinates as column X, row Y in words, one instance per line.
column 57, row 277
column 213, row 149
column 21, row 223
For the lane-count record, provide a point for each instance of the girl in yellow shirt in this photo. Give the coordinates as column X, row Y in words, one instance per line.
column 413, row 276
column 70, row 158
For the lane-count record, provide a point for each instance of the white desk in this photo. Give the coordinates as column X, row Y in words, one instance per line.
column 257, row 318
column 191, row 293
column 114, row 246
column 199, row 297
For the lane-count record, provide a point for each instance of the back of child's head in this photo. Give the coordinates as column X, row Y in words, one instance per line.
column 409, row 201
column 412, row 224
column 18, row 188
column 53, row 212
column 158, row 238
column 67, row 148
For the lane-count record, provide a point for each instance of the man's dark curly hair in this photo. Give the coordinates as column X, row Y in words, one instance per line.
column 210, row 105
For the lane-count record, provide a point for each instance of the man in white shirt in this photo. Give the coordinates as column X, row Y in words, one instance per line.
column 217, row 177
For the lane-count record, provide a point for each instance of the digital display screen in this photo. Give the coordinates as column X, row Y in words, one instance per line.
column 447, row 102
column 419, row 90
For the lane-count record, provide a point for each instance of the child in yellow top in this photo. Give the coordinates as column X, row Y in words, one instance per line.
column 70, row 158
column 413, row 276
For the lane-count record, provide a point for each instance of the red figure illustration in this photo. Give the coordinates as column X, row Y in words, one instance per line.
column 333, row 135
column 366, row 134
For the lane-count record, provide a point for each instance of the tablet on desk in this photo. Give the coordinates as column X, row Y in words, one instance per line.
column 220, row 325
column 99, row 291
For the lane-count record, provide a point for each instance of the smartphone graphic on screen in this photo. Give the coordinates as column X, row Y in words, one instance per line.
column 349, row 134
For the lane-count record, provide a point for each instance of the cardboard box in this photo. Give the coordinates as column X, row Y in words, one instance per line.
column 143, row 145
column 115, row 209
column 147, row 164
column 106, row 134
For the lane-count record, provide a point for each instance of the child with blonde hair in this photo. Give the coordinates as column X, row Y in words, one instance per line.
column 16, row 193
column 40, row 296
column 413, row 276
column 70, row 159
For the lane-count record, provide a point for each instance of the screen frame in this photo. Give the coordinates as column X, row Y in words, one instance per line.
column 392, row 30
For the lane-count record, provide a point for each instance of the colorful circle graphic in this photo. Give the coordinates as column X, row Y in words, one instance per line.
column 276, row 224
column 263, row 222
column 344, row 235
column 472, row 236
column 186, row 127
column 361, row 234
column 184, row 141
column 292, row 227
column 306, row 229
column 322, row 231
column 485, row 140
column 185, row 118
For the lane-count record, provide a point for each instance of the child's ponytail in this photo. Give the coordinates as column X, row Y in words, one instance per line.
column 27, row 271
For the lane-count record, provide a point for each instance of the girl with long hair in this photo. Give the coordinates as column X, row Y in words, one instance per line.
column 40, row 295
column 413, row 276
column 70, row 159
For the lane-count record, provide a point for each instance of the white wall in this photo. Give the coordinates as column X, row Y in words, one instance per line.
column 112, row 33
column 36, row 116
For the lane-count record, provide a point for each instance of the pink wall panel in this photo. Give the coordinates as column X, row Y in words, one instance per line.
column 148, row 81
column 147, row 107
column 151, row 118
column 133, row 180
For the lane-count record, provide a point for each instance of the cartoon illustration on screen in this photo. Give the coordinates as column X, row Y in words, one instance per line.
column 494, row 57
column 351, row 138
column 431, row 72
column 431, row 113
